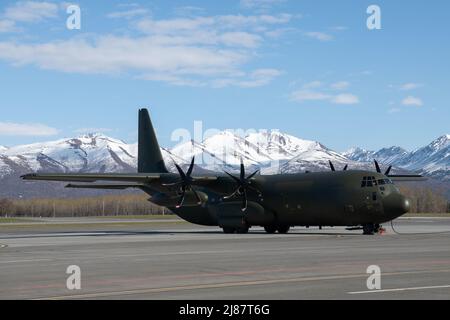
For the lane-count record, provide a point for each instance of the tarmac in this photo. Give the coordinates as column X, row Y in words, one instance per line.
column 170, row 259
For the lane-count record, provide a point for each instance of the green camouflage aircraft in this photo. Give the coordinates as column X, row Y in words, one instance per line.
column 351, row 198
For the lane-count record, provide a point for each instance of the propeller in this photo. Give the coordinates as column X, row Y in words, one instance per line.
column 332, row 166
column 244, row 184
column 377, row 167
column 185, row 183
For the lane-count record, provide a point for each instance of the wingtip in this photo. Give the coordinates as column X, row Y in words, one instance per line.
column 27, row 176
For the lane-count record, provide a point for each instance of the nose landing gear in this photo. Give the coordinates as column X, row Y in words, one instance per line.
column 372, row 228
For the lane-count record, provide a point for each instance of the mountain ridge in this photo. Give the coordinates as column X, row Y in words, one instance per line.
column 271, row 151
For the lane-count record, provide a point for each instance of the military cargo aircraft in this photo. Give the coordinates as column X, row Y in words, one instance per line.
column 352, row 198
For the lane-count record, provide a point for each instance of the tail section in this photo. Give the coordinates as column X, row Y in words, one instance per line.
column 149, row 153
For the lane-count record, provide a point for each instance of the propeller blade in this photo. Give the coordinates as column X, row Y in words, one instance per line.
column 345, row 168
column 181, row 172
column 388, row 170
column 181, row 201
column 377, row 166
column 242, row 171
column 199, row 201
column 234, row 178
column 252, row 175
column 191, row 167
column 172, row 184
column 331, row 165
column 231, row 195
column 244, row 200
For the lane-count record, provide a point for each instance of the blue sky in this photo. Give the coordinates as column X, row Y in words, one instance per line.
column 309, row 68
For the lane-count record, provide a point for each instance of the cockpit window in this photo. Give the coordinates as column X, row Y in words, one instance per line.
column 371, row 181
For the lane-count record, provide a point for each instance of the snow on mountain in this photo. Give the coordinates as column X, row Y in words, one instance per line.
column 433, row 159
column 2, row 149
column 272, row 151
column 86, row 153
column 359, row 154
column 268, row 149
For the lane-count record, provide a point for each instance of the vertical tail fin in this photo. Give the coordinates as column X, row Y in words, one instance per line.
column 149, row 153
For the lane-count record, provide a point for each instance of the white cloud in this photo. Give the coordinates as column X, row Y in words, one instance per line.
column 345, row 98
column 412, row 101
column 117, row 54
column 308, row 95
column 240, row 39
column 310, row 92
column 394, row 110
column 188, row 11
column 339, row 28
column 210, row 23
column 7, row 26
column 259, row 4
column 128, row 14
column 312, row 85
column 410, row 86
column 321, row 36
column 258, row 78
column 31, row 11
column 24, row 129
column 341, row 85
column 26, row 12
column 183, row 51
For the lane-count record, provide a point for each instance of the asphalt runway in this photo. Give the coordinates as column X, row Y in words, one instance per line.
column 183, row 261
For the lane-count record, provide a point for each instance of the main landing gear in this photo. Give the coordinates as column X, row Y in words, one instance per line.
column 281, row 229
column 240, row 230
column 269, row 229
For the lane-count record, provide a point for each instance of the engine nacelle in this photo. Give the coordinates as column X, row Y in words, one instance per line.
column 165, row 200
column 229, row 214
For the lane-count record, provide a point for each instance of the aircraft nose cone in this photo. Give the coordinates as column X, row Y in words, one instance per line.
column 406, row 205
column 396, row 205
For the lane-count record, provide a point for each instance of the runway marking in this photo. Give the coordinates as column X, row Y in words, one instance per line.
column 223, row 285
column 399, row 289
column 30, row 260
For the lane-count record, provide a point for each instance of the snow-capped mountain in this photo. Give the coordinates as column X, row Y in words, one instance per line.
column 262, row 149
column 271, row 151
column 389, row 155
column 432, row 160
column 3, row 149
column 86, row 153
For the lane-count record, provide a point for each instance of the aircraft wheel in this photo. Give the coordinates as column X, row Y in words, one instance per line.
column 283, row 229
column 242, row 230
column 228, row 230
column 369, row 229
column 270, row 229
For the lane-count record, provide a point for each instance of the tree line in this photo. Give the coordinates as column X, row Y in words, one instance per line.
column 423, row 200
column 108, row 205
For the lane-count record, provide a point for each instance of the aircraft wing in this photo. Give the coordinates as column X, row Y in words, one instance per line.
column 406, row 178
column 76, row 177
column 140, row 178
column 105, row 186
